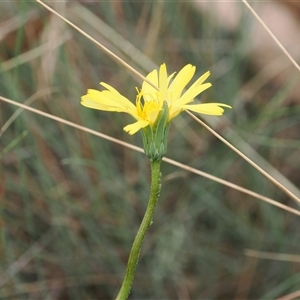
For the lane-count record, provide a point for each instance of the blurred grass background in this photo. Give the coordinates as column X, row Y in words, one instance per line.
column 71, row 202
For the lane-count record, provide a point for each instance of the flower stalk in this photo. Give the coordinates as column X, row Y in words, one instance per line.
column 146, row 223
column 156, row 105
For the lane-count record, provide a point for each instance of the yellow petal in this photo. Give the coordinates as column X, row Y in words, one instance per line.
column 170, row 77
column 87, row 102
column 174, row 113
column 207, row 108
column 202, row 78
column 149, row 92
column 163, row 81
column 190, row 94
column 108, row 100
column 115, row 95
column 199, row 81
column 135, row 127
column 109, row 87
column 181, row 80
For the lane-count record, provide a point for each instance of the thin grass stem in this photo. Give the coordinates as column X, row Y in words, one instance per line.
column 246, row 158
column 291, row 296
column 103, row 48
column 272, row 255
column 122, row 62
column 272, row 35
column 168, row 160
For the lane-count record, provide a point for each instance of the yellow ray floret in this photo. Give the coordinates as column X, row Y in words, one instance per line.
column 149, row 101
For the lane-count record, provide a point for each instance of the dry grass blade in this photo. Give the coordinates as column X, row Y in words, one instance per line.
column 272, row 35
column 141, row 76
column 78, row 13
column 273, row 256
column 57, row 119
column 15, row 22
column 33, row 53
column 106, row 50
column 267, row 175
column 26, row 257
column 168, row 160
column 71, row 198
column 291, row 296
column 57, row 283
column 30, row 100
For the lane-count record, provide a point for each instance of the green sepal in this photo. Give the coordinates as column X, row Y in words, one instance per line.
column 155, row 137
column 160, row 124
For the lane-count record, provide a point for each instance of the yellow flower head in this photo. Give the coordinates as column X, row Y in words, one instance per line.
column 150, row 102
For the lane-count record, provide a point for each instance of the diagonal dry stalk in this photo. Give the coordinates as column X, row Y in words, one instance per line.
column 294, row 295
column 122, row 62
column 103, row 48
column 273, row 255
column 246, row 158
column 279, row 44
column 78, row 13
column 196, row 172
column 168, row 160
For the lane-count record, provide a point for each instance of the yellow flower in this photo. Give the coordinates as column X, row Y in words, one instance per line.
column 150, row 102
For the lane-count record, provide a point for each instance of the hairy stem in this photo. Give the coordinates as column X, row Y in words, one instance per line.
column 146, row 223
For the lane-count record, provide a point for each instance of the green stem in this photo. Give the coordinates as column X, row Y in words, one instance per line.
column 146, row 223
